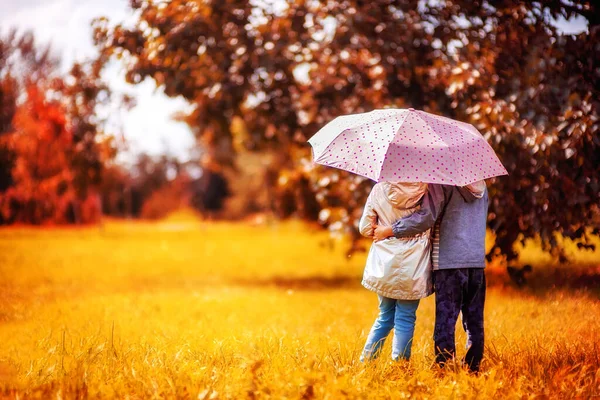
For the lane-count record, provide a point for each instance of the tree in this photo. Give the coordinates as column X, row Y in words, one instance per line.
column 52, row 148
column 264, row 80
column 22, row 62
column 41, row 173
column 82, row 92
column 536, row 97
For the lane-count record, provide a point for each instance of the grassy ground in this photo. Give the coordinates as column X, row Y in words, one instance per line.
column 181, row 309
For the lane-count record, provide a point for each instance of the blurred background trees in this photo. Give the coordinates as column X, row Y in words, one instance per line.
column 264, row 76
column 261, row 77
column 51, row 140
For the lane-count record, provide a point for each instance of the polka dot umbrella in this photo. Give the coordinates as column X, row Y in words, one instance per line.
column 406, row 145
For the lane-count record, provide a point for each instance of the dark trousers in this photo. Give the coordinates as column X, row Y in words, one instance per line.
column 459, row 290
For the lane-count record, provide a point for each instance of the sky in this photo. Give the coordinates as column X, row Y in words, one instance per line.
column 148, row 127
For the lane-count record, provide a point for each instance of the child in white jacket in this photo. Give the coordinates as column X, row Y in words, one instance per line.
column 398, row 270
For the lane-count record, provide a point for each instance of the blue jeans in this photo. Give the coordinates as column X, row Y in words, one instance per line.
column 399, row 315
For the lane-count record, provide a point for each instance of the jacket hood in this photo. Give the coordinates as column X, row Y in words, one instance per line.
column 403, row 194
column 472, row 191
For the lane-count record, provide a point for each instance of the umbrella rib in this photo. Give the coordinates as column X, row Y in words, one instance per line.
column 442, row 140
column 390, row 143
column 322, row 153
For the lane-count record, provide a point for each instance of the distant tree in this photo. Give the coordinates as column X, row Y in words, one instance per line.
column 22, row 62
column 151, row 188
column 150, row 178
column 263, row 80
column 81, row 92
column 115, row 190
column 209, row 192
column 172, row 196
column 41, row 174
column 51, row 142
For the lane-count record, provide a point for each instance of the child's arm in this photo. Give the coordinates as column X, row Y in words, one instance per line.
column 369, row 218
column 433, row 203
column 423, row 219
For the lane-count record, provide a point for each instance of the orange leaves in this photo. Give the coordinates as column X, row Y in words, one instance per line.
column 41, row 140
column 42, row 144
column 52, row 140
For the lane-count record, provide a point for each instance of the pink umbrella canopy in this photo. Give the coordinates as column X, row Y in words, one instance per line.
column 406, row 145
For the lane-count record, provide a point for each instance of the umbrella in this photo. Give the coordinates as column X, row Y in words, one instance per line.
column 406, row 145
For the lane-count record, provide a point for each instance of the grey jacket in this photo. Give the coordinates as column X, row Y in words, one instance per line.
column 462, row 215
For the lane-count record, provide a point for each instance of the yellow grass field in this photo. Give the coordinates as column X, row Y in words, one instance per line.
column 181, row 309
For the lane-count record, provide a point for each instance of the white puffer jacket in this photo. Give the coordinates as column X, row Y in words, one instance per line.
column 397, row 268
